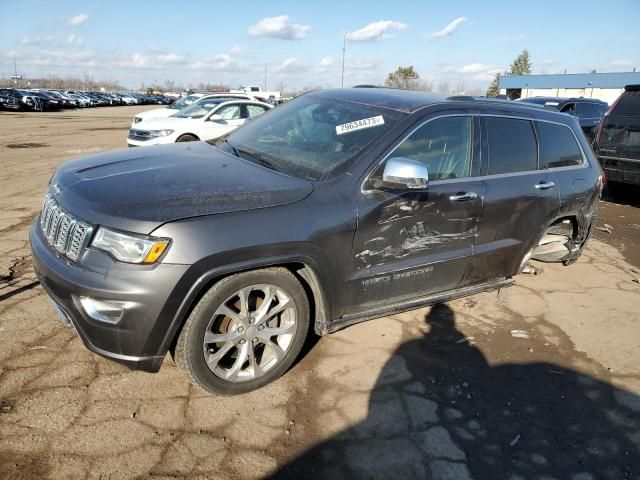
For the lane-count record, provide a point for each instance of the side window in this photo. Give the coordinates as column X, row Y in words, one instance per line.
column 585, row 110
column 512, row 145
column 558, row 146
column 230, row 112
column 444, row 145
column 255, row 110
column 569, row 108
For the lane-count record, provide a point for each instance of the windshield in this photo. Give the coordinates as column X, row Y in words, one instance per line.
column 199, row 109
column 184, row 102
column 312, row 137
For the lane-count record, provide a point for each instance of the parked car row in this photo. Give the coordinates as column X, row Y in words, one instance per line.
column 40, row 99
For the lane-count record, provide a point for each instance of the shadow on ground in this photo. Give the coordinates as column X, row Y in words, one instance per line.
column 457, row 417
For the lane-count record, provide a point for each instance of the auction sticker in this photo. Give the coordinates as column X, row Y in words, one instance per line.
column 359, row 125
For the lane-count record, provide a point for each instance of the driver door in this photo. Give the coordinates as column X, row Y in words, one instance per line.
column 414, row 243
column 231, row 119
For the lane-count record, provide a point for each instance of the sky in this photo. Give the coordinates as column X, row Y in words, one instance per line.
column 460, row 43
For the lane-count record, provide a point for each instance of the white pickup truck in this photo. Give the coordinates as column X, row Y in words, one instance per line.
column 257, row 92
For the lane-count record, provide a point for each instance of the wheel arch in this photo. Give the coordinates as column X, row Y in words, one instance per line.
column 189, row 134
column 304, row 270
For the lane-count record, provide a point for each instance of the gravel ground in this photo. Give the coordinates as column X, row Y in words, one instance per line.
column 540, row 380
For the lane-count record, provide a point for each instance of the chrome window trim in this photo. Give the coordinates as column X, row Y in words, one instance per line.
column 585, row 161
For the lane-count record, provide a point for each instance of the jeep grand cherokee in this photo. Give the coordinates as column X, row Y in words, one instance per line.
column 339, row 206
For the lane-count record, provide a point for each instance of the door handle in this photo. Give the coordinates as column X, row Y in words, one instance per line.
column 461, row 197
column 545, row 185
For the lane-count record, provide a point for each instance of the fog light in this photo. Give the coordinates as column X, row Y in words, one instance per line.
column 102, row 311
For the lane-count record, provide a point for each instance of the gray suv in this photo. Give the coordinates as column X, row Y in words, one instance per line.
column 337, row 207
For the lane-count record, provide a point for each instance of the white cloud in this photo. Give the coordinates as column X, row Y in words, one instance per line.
column 279, row 27
column 78, row 19
column 475, row 68
column 51, row 41
column 235, row 49
column 151, row 60
column 326, row 62
column 376, row 31
column 621, row 63
column 61, row 58
column 449, row 29
column 170, row 58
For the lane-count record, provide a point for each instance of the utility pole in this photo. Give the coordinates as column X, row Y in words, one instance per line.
column 265, row 76
column 15, row 69
column 344, row 47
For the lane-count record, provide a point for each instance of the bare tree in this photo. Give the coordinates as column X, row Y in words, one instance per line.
column 443, row 88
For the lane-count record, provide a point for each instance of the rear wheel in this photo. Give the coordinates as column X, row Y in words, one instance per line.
column 245, row 332
column 187, row 138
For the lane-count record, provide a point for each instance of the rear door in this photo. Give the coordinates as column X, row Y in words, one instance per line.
column 519, row 199
column 410, row 244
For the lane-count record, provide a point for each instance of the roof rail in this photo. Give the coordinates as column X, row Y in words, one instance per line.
column 366, row 86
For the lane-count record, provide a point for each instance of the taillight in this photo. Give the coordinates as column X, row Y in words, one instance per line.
column 602, row 181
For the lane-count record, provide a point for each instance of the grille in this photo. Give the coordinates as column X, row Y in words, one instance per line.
column 65, row 233
column 135, row 134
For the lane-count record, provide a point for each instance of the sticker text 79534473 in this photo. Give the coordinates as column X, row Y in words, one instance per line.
column 359, row 125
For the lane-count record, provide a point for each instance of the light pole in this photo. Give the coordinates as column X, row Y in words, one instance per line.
column 265, row 76
column 344, row 47
column 15, row 69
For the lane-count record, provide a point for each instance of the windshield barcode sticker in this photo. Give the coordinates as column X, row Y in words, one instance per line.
column 359, row 125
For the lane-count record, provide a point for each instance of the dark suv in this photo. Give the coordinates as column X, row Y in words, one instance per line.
column 337, row 207
column 618, row 141
column 589, row 111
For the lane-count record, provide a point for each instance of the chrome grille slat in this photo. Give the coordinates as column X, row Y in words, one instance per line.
column 65, row 233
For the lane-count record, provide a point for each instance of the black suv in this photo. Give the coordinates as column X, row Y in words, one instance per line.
column 337, row 207
column 589, row 111
column 618, row 141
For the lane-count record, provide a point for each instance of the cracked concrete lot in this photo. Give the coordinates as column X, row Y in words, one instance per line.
column 540, row 380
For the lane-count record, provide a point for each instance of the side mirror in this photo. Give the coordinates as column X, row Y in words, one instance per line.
column 216, row 118
column 400, row 172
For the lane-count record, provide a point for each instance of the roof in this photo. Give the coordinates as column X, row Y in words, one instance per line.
column 395, row 99
column 409, row 101
column 571, row 80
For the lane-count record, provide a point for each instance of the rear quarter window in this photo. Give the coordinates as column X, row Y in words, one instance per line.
column 512, row 145
column 558, row 146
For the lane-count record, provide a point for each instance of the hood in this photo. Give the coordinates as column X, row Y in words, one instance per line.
column 139, row 189
column 156, row 113
column 158, row 123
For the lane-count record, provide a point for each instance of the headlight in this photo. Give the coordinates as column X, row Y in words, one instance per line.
column 136, row 119
column 129, row 248
column 160, row 133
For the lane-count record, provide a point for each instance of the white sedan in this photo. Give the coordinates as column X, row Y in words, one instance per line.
column 206, row 119
column 169, row 110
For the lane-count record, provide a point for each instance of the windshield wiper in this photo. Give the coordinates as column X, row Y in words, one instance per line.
column 256, row 156
column 234, row 150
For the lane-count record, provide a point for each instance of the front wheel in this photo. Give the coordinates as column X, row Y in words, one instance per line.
column 245, row 332
column 187, row 138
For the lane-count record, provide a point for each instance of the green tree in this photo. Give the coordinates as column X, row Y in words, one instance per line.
column 494, row 87
column 404, row 77
column 522, row 64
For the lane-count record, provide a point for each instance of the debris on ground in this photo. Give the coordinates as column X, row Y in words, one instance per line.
column 465, row 339
column 529, row 270
column 515, row 440
column 519, row 334
column 604, row 229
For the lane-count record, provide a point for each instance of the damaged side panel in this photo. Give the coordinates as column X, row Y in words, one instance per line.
column 413, row 243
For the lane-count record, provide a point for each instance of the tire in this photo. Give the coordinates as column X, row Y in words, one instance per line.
column 187, row 138
column 272, row 354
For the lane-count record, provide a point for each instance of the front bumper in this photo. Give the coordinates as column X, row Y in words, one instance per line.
column 138, row 338
column 153, row 141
